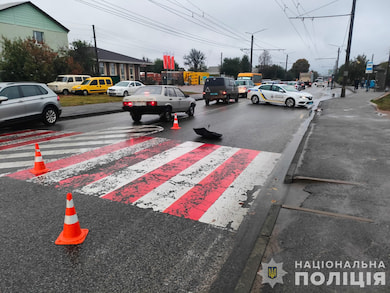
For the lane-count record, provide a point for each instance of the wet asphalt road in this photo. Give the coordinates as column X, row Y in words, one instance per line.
column 130, row 249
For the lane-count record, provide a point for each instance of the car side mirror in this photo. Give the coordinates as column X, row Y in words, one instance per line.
column 3, row 99
column 187, row 96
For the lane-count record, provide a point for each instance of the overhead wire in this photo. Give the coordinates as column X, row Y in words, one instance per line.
column 212, row 22
column 151, row 23
column 188, row 18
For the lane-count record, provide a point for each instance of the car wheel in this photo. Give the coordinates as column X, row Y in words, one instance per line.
column 136, row 116
column 191, row 110
column 125, row 94
column 207, row 101
column 290, row 102
column 227, row 100
column 236, row 98
column 167, row 115
column 50, row 115
column 85, row 92
column 255, row 100
column 65, row 92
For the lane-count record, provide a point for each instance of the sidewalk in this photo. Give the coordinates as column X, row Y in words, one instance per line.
column 332, row 232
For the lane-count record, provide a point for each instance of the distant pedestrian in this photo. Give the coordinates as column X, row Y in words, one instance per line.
column 372, row 84
column 356, row 84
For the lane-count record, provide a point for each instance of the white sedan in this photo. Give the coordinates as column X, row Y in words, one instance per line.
column 124, row 88
column 279, row 94
column 161, row 100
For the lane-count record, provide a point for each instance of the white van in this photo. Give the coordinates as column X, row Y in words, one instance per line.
column 64, row 83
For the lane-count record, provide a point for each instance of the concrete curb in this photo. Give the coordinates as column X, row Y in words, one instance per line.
column 91, row 114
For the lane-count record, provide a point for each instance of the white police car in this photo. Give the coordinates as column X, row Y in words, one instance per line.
column 279, row 94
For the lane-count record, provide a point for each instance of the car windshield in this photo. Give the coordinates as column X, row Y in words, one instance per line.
column 149, row 90
column 289, row 88
column 61, row 78
column 87, row 81
column 122, row 83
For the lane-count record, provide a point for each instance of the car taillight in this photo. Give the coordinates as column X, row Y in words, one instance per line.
column 204, row 93
column 151, row 103
column 127, row 104
column 58, row 98
column 224, row 92
column 249, row 90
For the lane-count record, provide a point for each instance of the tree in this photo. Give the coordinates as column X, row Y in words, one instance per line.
column 356, row 69
column 83, row 54
column 245, row 65
column 231, row 66
column 301, row 65
column 264, row 60
column 25, row 60
column 273, row 72
column 195, row 60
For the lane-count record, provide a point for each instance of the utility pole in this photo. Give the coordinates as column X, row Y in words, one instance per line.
column 337, row 61
column 96, row 52
column 252, row 44
column 251, row 52
column 345, row 74
column 286, row 66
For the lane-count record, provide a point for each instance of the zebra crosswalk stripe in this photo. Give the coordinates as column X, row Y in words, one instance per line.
column 209, row 183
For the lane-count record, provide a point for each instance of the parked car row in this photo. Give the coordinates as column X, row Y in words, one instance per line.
column 85, row 85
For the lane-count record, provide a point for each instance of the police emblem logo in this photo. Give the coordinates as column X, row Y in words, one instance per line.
column 272, row 273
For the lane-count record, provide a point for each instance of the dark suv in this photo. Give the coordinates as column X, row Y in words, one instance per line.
column 219, row 89
column 28, row 101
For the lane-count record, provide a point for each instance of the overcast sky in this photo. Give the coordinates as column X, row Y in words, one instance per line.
column 152, row 28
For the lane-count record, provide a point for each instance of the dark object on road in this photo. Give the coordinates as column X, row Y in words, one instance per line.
column 206, row 133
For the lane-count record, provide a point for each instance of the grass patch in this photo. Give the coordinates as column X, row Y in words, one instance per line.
column 76, row 100
column 383, row 103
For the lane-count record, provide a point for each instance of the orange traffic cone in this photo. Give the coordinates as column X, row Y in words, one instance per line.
column 71, row 234
column 39, row 165
column 175, row 123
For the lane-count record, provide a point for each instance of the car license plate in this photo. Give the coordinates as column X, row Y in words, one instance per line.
column 213, row 94
column 139, row 103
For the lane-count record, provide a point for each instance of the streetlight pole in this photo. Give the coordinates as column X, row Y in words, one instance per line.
column 252, row 44
column 251, row 52
column 345, row 74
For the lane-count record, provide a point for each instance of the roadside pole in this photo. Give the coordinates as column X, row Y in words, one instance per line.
column 345, row 74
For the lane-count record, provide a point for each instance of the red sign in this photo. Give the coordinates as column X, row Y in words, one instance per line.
column 169, row 62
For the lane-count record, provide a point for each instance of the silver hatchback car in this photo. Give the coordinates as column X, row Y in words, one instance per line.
column 21, row 101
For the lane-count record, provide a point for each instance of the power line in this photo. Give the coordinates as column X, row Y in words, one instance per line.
column 148, row 22
column 314, row 17
column 189, row 19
